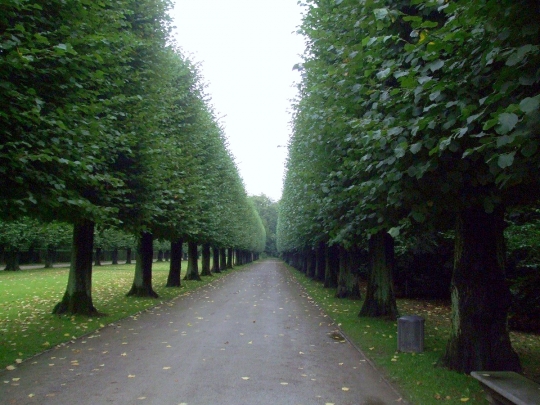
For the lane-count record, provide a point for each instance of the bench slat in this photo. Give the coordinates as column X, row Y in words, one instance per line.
column 512, row 386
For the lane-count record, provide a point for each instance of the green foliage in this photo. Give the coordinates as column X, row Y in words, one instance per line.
column 268, row 211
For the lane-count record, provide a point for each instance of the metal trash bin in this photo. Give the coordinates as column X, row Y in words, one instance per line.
column 411, row 334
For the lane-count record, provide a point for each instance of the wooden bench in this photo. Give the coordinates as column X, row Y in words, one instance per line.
column 508, row 388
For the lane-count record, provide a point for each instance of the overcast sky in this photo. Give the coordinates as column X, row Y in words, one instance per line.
column 247, row 49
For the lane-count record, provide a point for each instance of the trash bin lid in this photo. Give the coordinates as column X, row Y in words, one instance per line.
column 411, row 318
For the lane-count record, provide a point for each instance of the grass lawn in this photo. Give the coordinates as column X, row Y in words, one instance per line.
column 416, row 375
column 27, row 298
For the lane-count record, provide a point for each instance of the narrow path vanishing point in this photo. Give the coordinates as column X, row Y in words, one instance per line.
column 250, row 338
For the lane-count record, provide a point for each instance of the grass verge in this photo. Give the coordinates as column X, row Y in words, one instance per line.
column 27, row 298
column 415, row 375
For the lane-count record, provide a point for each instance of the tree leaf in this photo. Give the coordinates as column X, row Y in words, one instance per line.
column 507, row 122
column 529, row 104
column 506, row 160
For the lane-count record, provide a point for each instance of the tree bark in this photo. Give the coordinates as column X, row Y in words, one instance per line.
column 114, row 256
column 206, row 260
column 78, row 296
column 50, row 257
column 97, row 257
column 12, row 260
column 215, row 260
column 193, row 263
column 320, row 261
column 344, row 285
column 222, row 259
column 128, row 256
column 479, row 340
column 160, row 256
column 142, row 282
column 311, row 263
column 230, row 252
column 380, row 300
column 175, row 266
column 332, row 267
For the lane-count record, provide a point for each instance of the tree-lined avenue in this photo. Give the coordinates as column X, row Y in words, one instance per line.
column 250, row 338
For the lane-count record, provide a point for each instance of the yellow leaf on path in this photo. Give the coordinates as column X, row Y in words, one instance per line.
column 18, row 361
column 345, row 389
column 284, row 383
column 15, row 379
column 245, row 378
column 166, row 368
column 141, row 398
column 10, row 368
column 31, row 395
column 123, row 354
column 131, row 376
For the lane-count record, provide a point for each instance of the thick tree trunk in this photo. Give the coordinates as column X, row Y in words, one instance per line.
column 12, row 260
column 193, row 263
column 230, row 252
column 320, row 261
column 128, row 256
column 223, row 259
column 215, row 260
column 142, row 282
column 160, row 256
column 175, row 267
column 78, row 296
column 479, row 340
column 50, row 257
column 206, row 260
column 114, row 256
column 332, row 267
column 380, row 299
column 97, row 257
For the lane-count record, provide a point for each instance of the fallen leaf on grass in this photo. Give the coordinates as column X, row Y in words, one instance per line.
column 18, row 361
column 464, row 399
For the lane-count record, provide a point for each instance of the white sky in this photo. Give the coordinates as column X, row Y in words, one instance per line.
column 248, row 49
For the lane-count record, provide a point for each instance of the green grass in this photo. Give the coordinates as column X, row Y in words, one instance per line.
column 27, row 298
column 415, row 375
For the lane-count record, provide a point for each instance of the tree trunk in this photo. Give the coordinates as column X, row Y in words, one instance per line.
column 193, row 263
column 215, row 260
column 230, row 252
column 97, row 257
column 160, row 256
column 114, row 256
column 206, row 260
column 479, row 340
column 175, row 267
column 12, row 260
column 320, row 261
column 78, row 296
column 128, row 256
column 380, row 300
column 354, row 271
column 222, row 259
column 142, row 282
column 332, row 267
column 344, row 286
column 50, row 257
column 311, row 263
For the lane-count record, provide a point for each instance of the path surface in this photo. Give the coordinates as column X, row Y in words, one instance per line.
column 249, row 338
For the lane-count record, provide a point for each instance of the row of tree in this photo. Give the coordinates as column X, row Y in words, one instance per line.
column 416, row 117
column 104, row 121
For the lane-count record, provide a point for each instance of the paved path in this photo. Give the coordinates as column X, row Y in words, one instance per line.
column 250, row 338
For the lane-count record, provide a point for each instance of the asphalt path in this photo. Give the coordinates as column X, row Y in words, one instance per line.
column 253, row 337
